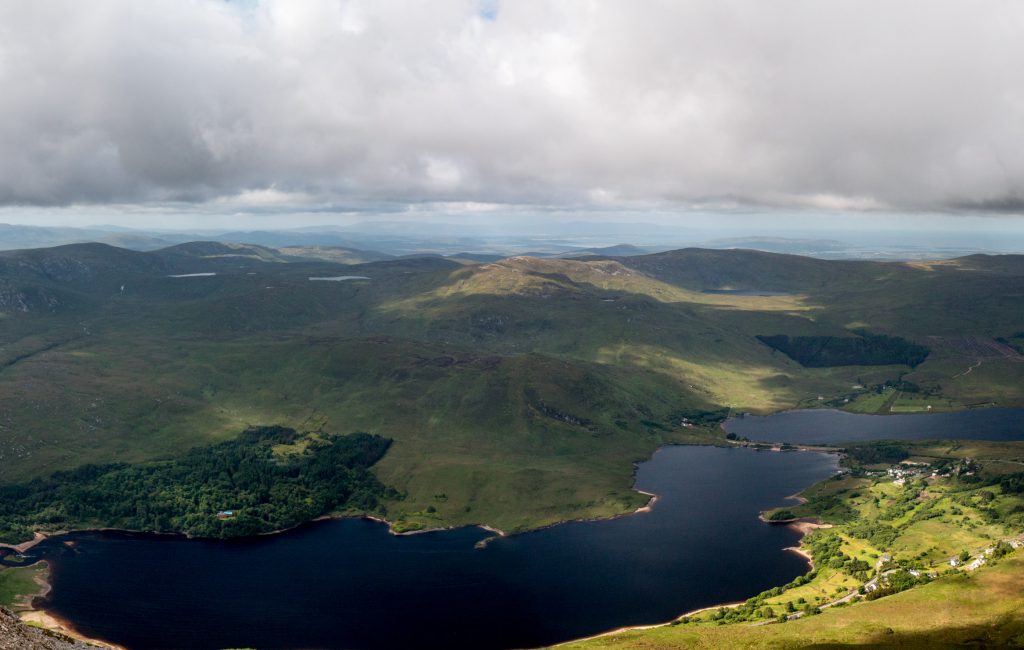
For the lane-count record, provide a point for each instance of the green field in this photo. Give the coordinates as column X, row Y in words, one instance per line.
column 19, row 585
column 897, row 401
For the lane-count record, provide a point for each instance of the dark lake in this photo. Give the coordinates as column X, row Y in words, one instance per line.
column 350, row 584
column 828, row 426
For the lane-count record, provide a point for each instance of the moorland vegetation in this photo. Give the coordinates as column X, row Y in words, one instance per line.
column 522, row 390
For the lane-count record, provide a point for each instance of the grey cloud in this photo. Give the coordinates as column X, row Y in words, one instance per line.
column 845, row 104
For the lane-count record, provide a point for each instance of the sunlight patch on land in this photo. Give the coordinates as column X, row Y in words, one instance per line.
column 551, row 278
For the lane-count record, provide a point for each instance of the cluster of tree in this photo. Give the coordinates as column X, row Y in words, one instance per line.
column 863, row 350
column 754, row 608
column 1016, row 341
column 856, row 568
column 1001, row 550
column 875, row 453
column 1012, row 483
column 902, row 385
column 825, row 547
column 903, row 502
column 894, row 583
column 698, row 417
column 264, row 491
column 880, row 535
column 831, row 508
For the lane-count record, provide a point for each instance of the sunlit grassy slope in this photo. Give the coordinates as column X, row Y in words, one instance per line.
column 985, row 609
column 518, row 393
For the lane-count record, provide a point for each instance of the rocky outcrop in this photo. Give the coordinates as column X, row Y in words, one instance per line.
column 15, row 635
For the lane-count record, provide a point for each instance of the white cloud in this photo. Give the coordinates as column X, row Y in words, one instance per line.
column 838, row 105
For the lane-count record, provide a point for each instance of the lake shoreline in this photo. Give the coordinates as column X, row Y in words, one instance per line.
column 54, row 623
column 39, row 617
column 24, row 546
column 40, row 536
column 803, row 525
column 63, row 625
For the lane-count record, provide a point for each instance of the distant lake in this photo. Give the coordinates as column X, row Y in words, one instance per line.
column 349, row 583
column 340, row 278
column 829, row 426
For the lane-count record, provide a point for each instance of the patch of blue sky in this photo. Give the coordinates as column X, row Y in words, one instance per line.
column 489, row 9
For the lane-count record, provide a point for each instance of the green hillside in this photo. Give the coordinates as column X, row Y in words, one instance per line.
column 517, row 393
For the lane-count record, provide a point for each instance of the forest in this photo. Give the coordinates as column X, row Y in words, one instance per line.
column 865, row 349
column 266, row 479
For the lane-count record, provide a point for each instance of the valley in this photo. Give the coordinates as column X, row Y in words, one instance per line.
column 518, row 393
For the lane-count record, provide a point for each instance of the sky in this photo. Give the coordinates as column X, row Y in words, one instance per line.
column 287, row 112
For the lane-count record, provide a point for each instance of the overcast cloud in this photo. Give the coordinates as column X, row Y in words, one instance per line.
column 286, row 104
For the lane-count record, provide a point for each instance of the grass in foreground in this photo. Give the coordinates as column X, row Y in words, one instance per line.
column 985, row 608
column 18, row 585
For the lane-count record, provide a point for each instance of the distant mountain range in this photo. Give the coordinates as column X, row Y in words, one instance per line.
column 374, row 241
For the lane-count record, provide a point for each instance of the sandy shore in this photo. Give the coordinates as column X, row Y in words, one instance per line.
column 805, row 526
column 24, row 546
column 650, row 504
column 44, row 584
column 44, row 619
column 801, row 552
column 50, row 622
